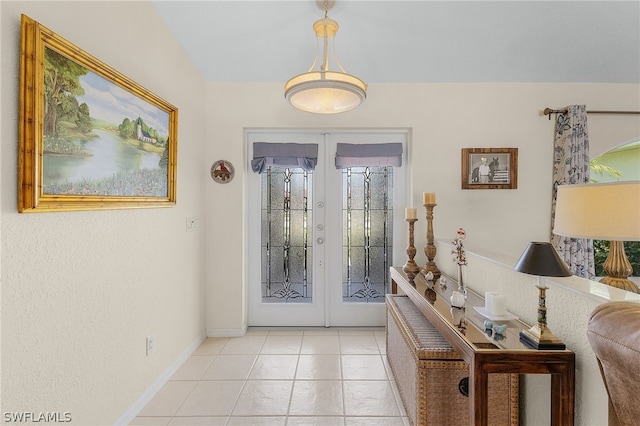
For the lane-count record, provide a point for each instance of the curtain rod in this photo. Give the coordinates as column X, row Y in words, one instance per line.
column 548, row 111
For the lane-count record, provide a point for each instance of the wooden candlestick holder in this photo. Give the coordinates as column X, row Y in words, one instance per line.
column 430, row 248
column 411, row 268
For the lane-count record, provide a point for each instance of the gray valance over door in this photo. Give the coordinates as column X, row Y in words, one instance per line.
column 354, row 155
column 300, row 155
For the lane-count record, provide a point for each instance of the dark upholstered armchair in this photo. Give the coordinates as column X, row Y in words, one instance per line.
column 614, row 335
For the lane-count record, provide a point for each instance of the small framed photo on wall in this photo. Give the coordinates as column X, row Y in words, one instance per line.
column 489, row 168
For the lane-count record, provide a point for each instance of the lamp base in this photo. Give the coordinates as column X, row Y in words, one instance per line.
column 618, row 268
column 623, row 283
column 541, row 339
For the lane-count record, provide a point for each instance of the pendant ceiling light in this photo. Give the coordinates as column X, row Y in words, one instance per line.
column 323, row 91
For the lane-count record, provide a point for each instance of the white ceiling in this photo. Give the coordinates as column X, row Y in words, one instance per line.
column 414, row 41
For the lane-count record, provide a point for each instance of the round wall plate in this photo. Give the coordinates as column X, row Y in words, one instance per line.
column 222, row 171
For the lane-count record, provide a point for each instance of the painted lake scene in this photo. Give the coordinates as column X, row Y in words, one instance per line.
column 98, row 138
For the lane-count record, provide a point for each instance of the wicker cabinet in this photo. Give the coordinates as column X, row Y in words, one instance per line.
column 431, row 375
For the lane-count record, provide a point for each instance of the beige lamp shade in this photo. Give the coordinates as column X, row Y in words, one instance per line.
column 600, row 211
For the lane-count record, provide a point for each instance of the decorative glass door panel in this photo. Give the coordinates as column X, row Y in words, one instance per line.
column 367, row 233
column 287, row 250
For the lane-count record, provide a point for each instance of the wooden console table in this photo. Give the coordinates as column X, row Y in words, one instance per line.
column 464, row 330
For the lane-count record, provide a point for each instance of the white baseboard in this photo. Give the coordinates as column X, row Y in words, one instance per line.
column 144, row 399
column 227, row 332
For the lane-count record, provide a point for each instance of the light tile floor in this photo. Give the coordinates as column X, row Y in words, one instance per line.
column 282, row 376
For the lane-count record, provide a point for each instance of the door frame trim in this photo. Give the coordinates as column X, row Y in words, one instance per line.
column 400, row 241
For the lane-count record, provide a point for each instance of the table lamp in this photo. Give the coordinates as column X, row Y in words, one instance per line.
column 541, row 259
column 602, row 211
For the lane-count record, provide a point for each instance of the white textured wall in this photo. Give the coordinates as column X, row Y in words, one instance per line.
column 444, row 118
column 82, row 290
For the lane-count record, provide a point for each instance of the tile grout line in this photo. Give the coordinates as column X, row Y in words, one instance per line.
column 293, row 381
column 344, row 396
column 246, row 380
column 173, row 416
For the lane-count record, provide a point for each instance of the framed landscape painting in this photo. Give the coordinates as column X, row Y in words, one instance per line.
column 89, row 137
column 489, row 168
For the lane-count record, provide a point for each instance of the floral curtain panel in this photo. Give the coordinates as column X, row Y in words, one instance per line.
column 571, row 166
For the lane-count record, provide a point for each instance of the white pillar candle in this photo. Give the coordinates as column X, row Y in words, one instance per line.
column 428, row 198
column 495, row 303
column 410, row 213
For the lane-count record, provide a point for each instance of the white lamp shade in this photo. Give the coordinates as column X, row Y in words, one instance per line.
column 327, row 92
column 604, row 211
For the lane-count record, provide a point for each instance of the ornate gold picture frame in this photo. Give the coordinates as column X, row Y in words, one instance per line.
column 489, row 168
column 89, row 137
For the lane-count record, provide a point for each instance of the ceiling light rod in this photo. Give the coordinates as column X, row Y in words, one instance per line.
column 324, row 91
column 327, row 25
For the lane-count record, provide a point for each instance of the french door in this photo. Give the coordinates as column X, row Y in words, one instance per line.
column 320, row 241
